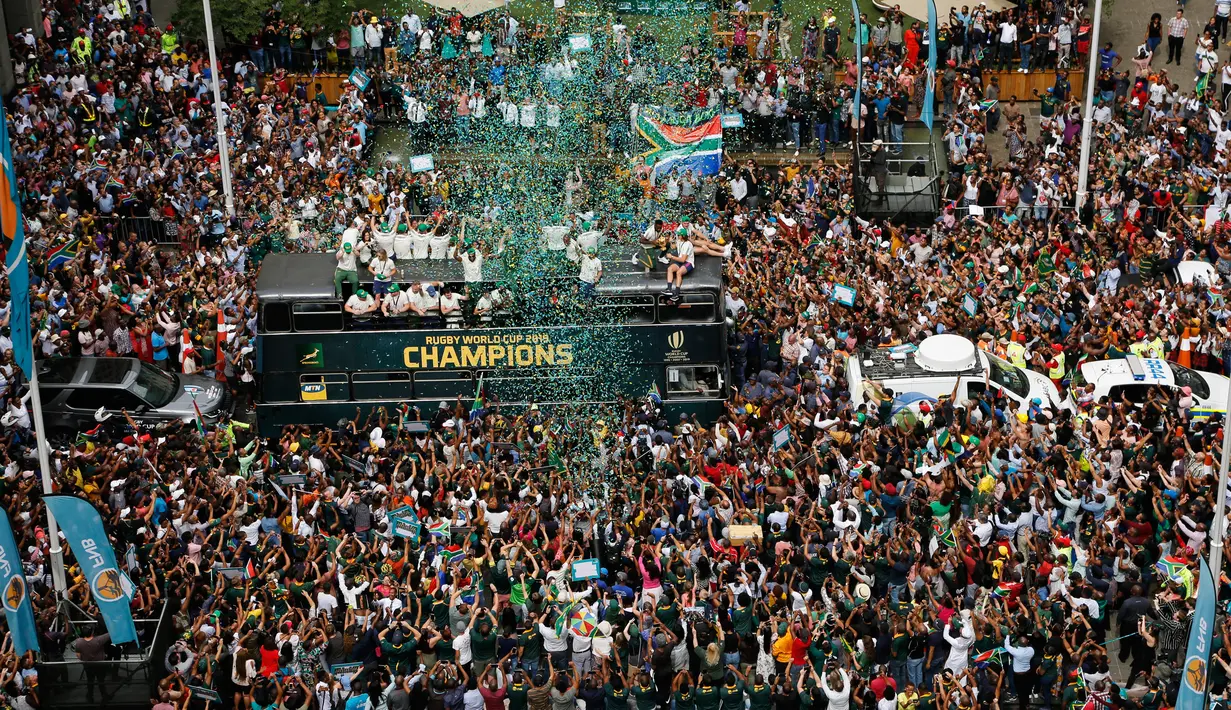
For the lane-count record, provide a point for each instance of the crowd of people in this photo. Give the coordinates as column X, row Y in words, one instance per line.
column 976, row 554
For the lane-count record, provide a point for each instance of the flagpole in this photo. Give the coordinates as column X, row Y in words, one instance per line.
column 53, row 530
column 1087, row 124
column 220, row 121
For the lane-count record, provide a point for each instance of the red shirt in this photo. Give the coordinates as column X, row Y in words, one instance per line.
column 878, row 685
column 492, row 700
column 799, row 652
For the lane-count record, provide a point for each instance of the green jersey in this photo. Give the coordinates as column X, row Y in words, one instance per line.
column 732, row 696
column 707, row 697
column 759, row 697
column 644, row 697
column 517, row 694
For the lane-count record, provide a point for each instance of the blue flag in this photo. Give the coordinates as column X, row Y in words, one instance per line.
column 111, row 589
column 16, row 599
column 929, row 93
column 1200, row 639
column 857, row 109
column 15, row 262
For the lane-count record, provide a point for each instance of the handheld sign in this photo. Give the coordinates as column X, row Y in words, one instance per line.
column 844, row 294
column 359, row 79
column 732, row 120
column 580, row 43
column 206, row 694
column 782, row 437
column 585, row 569
column 422, row 163
column 970, row 305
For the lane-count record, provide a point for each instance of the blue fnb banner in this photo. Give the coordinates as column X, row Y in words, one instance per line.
column 929, row 93
column 15, row 262
column 84, row 529
column 16, row 595
column 1200, row 639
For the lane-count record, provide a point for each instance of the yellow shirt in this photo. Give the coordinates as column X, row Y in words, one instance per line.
column 782, row 648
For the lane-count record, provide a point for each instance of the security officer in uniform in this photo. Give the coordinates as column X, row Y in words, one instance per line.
column 170, row 41
column 1016, row 351
column 82, row 48
column 147, row 118
column 1139, row 347
column 87, row 113
column 1055, row 367
column 1156, row 348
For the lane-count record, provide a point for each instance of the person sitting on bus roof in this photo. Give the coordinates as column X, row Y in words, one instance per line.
column 397, row 303
column 707, row 239
column 653, row 245
column 360, row 303
column 385, row 235
column 683, row 261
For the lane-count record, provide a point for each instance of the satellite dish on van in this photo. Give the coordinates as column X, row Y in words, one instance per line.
column 946, row 353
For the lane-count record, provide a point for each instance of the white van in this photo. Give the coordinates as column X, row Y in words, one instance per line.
column 930, row 371
column 1132, row 377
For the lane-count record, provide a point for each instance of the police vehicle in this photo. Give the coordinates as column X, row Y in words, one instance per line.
column 941, row 365
column 1132, row 377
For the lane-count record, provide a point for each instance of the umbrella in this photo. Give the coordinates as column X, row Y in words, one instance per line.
column 582, row 621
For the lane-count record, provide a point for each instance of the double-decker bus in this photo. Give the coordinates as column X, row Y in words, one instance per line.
column 544, row 345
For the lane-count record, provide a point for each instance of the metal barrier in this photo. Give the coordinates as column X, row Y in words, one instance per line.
column 146, row 229
column 128, row 681
column 905, row 195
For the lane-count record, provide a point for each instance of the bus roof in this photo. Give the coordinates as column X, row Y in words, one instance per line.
column 304, row 277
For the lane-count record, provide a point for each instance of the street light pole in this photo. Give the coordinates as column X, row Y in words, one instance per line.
column 1087, row 122
column 220, row 119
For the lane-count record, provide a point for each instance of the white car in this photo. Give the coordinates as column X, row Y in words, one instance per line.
column 1202, row 272
column 1133, row 377
column 942, row 365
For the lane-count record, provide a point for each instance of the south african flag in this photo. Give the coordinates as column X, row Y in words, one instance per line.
column 681, row 141
column 1172, row 567
column 944, row 535
column 62, row 255
column 452, row 553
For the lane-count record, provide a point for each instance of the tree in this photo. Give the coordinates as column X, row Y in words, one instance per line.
column 330, row 14
column 234, row 20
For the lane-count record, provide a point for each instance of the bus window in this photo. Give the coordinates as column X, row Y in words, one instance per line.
column 692, row 308
column 684, row 381
column 322, row 315
column 444, row 384
column 276, row 318
column 625, row 309
column 545, row 384
column 382, row 385
column 328, row 386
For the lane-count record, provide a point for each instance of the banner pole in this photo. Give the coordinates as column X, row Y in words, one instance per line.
column 1218, row 525
column 44, row 465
